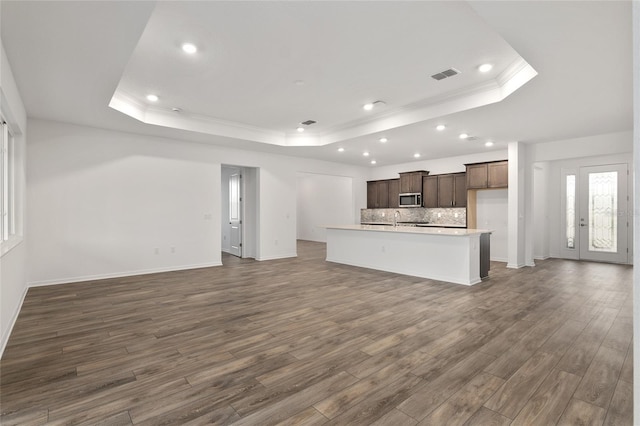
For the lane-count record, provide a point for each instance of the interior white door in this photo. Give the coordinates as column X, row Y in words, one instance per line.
column 235, row 214
column 602, row 218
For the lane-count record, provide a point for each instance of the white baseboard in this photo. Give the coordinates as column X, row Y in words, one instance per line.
column 515, row 266
column 499, row 259
column 14, row 318
column 278, row 256
column 542, row 257
column 70, row 280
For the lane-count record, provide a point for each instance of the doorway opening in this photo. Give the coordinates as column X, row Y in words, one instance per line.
column 239, row 211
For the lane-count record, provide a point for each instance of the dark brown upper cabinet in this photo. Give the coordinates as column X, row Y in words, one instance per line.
column 498, row 174
column 430, row 191
column 382, row 194
column 460, row 190
column 394, row 193
column 448, row 190
column 411, row 182
column 494, row 174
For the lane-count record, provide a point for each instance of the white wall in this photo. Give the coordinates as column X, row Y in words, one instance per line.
column 492, row 214
column 13, row 280
column 323, row 200
column 541, row 211
column 105, row 204
column 102, row 201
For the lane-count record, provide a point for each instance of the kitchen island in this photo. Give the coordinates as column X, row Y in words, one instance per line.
column 458, row 256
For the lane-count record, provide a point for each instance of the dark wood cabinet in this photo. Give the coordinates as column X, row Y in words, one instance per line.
column 430, row 191
column 372, row 194
column 476, row 176
column 394, row 193
column 460, row 190
column 411, row 182
column 382, row 194
column 488, row 175
column 498, row 174
column 445, row 190
column 449, row 190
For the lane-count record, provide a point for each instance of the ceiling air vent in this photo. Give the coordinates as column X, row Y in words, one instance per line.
column 446, row 73
column 472, row 138
column 308, row 122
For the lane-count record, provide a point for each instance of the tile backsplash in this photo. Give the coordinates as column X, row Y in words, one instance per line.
column 446, row 216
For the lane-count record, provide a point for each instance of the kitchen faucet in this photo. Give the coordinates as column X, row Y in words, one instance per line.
column 396, row 215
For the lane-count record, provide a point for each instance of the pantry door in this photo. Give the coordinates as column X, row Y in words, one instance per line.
column 602, row 213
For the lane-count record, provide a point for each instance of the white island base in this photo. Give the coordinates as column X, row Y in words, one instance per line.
column 452, row 255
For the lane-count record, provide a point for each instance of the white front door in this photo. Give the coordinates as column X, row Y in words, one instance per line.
column 602, row 213
column 235, row 213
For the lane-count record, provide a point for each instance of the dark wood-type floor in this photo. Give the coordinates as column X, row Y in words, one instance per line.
column 306, row 342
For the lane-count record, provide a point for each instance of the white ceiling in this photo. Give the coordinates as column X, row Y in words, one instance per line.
column 71, row 59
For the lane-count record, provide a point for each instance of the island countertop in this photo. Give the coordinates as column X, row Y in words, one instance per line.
column 413, row 230
column 458, row 256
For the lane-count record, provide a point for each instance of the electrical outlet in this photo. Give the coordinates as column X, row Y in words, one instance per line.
column 173, row 249
column 156, row 250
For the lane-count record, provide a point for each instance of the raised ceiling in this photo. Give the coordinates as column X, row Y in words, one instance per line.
column 263, row 67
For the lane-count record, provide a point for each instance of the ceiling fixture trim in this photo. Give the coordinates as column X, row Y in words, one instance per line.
column 495, row 90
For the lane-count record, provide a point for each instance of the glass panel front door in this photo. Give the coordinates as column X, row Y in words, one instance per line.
column 602, row 218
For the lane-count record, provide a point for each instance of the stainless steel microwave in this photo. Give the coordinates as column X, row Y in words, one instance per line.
column 410, row 200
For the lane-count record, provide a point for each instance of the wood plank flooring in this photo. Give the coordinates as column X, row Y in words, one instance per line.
column 306, row 342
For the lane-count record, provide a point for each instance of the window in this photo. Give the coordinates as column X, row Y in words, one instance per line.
column 570, row 212
column 7, row 185
column 603, row 212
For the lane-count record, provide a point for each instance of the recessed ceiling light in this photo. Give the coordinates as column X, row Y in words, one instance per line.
column 383, row 140
column 152, row 98
column 366, row 154
column 369, row 106
column 485, row 67
column 300, row 129
column 416, row 155
column 189, row 48
column 488, row 143
column 340, row 149
column 463, row 135
column 440, row 127
column 373, row 161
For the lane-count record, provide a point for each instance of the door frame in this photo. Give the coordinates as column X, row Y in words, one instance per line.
column 250, row 208
column 574, row 253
